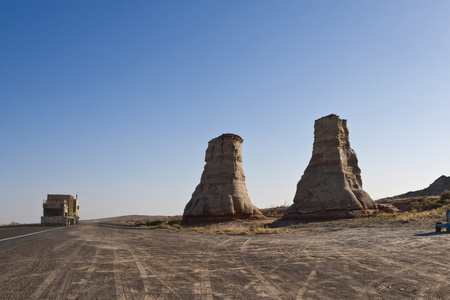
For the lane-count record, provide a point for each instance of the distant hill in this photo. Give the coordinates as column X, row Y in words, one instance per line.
column 435, row 189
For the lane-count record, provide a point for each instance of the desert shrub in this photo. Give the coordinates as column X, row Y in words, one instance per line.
column 274, row 212
column 445, row 195
column 154, row 223
column 426, row 203
column 407, row 216
column 232, row 229
column 174, row 222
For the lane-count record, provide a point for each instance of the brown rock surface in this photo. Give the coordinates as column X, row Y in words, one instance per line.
column 388, row 208
column 331, row 186
column 222, row 193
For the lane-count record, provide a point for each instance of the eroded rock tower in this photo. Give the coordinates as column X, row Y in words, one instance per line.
column 331, row 186
column 222, row 193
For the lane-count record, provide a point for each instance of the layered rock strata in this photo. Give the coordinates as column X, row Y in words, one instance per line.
column 222, row 193
column 331, row 186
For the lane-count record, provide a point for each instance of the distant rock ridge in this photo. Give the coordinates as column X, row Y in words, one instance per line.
column 331, row 186
column 435, row 189
column 222, row 193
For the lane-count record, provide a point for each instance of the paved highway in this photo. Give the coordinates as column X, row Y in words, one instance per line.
column 16, row 236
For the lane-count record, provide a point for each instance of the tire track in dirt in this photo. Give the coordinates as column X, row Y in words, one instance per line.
column 352, row 267
column 62, row 287
column 155, row 285
column 400, row 270
column 244, row 246
column 222, row 244
column 142, row 273
column 219, row 259
column 118, row 284
column 76, row 280
column 403, row 270
column 264, row 287
column 125, row 268
column 305, row 284
column 261, row 282
column 202, row 289
column 320, row 257
column 62, row 273
column 22, row 264
column 219, row 252
column 86, row 278
column 144, row 276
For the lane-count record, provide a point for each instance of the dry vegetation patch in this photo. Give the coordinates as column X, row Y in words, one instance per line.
column 156, row 223
column 232, row 228
column 421, row 203
column 429, row 216
column 10, row 224
column 416, row 210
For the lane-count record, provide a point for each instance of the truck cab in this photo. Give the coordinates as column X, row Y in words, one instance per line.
column 60, row 210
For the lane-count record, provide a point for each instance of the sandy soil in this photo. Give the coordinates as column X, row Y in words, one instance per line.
column 320, row 261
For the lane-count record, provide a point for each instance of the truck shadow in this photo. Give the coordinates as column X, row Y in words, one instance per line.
column 432, row 233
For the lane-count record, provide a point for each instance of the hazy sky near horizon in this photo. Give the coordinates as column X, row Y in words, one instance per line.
column 116, row 100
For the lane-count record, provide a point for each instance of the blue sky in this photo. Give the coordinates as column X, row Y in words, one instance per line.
column 116, row 100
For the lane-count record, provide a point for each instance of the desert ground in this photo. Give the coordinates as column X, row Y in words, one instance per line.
column 332, row 260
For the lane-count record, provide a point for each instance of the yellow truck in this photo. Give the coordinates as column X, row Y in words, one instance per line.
column 60, row 210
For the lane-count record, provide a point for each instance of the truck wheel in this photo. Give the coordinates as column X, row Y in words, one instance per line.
column 438, row 229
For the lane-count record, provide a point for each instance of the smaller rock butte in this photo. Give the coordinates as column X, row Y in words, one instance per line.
column 222, row 194
column 331, row 186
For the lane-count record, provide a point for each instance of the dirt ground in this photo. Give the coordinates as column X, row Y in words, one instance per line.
column 320, row 261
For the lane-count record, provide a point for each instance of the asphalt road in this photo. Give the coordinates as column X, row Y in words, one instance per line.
column 15, row 236
column 113, row 262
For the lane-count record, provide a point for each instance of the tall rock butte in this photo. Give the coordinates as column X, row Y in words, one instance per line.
column 222, row 193
column 331, row 186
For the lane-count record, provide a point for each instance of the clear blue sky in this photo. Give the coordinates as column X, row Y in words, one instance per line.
column 116, row 100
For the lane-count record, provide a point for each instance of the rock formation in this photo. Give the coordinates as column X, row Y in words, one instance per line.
column 387, row 208
column 222, row 193
column 331, row 186
column 435, row 189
